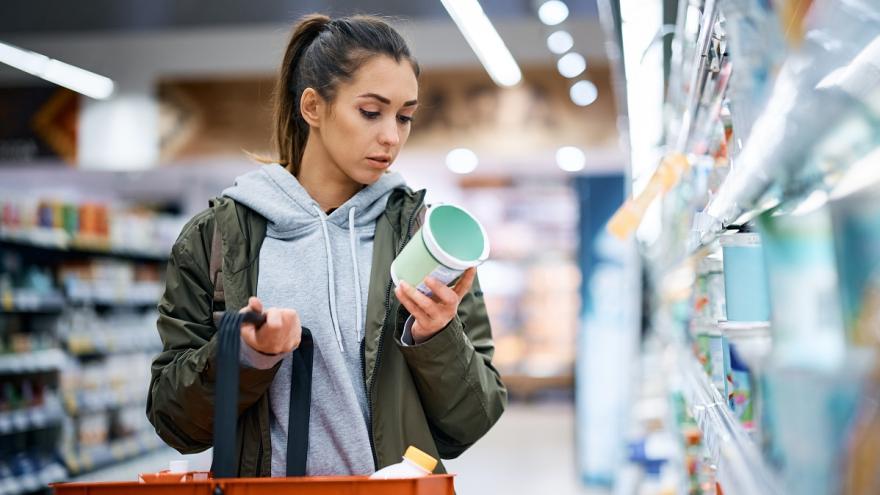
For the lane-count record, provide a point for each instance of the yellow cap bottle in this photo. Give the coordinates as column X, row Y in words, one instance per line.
column 420, row 458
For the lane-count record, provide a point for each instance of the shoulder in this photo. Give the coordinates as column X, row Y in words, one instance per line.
column 193, row 243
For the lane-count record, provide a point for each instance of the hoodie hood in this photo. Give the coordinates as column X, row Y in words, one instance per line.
column 277, row 195
column 329, row 243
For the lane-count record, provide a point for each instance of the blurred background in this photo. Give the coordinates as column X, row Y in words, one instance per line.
column 681, row 198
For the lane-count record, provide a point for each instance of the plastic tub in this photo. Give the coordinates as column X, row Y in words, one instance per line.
column 450, row 241
column 745, row 279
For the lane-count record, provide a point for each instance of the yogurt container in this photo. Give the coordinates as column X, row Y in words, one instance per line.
column 745, row 278
column 450, row 241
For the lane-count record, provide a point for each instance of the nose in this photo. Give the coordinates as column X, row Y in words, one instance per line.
column 389, row 134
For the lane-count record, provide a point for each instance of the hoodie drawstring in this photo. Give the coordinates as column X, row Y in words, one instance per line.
column 334, row 316
column 358, row 303
column 357, row 276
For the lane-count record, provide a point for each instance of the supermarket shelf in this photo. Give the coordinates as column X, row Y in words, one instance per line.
column 110, row 303
column 33, row 418
column 27, row 483
column 32, row 362
column 101, row 456
column 88, row 402
column 39, row 308
column 82, row 347
column 741, row 468
column 54, row 242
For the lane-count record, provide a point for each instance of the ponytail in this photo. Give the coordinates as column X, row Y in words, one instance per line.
column 291, row 130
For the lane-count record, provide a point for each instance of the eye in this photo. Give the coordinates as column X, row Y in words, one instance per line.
column 404, row 119
column 369, row 115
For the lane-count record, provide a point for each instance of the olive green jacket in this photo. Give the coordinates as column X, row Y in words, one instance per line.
column 441, row 395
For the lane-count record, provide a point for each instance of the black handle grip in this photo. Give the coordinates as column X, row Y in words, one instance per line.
column 257, row 319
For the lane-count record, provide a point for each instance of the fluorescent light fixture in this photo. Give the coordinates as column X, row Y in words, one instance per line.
column 560, row 42
column 55, row 71
column 644, row 96
column 553, row 12
column 462, row 161
column 484, row 41
column 583, row 93
column 572, row 65
column 570, row 159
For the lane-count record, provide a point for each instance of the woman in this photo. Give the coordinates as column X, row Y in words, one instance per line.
column 298, row 239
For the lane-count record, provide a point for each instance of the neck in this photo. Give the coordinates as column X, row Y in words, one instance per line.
column 322, row 179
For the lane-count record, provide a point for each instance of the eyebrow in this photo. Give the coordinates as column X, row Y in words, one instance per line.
column 386, row 100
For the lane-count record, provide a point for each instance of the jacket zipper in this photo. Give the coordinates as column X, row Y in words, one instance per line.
column 372, row 385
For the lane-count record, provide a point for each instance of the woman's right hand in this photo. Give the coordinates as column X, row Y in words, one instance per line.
column 279, row 335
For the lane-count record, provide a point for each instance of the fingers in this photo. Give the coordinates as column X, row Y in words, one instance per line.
column 274, row 320
column 280, row 334
column 290, row 319
column 442, row 293
column 414, row 309
column 464, row 285
column 423, row 302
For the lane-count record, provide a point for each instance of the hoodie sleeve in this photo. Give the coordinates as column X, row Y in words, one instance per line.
column 461, row 391
column 180, row 403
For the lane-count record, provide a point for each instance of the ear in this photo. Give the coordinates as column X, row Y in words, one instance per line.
column 311, row 107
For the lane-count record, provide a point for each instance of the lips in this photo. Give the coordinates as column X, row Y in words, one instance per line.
column 379, row 161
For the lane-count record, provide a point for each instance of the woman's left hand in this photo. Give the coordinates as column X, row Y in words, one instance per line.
column 432, row 314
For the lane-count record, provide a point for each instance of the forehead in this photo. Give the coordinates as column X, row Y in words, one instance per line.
column 384, row 76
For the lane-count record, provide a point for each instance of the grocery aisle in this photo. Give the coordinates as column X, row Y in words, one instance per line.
column 682, row 199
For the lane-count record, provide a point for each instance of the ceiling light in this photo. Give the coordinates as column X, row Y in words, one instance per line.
column 462, row 161
column 583, row 93
column 570, row 159
column 55, row 71
column 552, row 12
column 572, row 65
column 484, row 41
column 560, row 42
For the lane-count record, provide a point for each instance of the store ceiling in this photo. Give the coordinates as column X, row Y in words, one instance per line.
column 52, row 16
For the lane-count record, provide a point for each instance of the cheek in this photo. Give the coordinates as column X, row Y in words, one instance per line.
column 354, row 131
column 404, row 134
column 348, row 138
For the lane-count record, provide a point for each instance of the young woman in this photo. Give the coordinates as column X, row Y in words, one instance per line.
column 309, row 241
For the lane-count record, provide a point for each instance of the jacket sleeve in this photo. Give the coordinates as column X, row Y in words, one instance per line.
column 180, row 404
column 461, row 392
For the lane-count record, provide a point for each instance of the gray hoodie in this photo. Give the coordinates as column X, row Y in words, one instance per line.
column 320, row 266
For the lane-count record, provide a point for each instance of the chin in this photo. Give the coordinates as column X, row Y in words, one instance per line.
column 368, row 177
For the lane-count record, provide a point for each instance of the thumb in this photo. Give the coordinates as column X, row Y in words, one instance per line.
column 255, row 305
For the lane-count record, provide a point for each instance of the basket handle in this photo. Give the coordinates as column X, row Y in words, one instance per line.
column 226, row 397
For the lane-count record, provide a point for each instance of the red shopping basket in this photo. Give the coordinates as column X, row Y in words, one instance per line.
column 436, row 484
column 225, row 418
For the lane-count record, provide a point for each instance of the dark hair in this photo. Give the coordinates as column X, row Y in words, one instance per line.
column 322, row 53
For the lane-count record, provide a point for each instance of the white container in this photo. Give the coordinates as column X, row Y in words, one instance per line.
column 178, row 466
column 414, row 464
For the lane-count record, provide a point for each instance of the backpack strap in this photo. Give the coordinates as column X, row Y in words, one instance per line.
column 218, row 303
